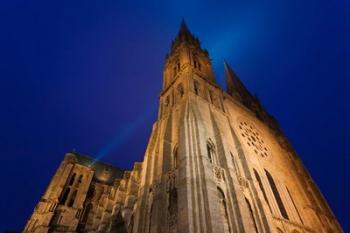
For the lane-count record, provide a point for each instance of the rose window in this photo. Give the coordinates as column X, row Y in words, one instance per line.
column 253, row 139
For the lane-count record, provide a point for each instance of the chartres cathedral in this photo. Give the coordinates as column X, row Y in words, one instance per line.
column 216, row 162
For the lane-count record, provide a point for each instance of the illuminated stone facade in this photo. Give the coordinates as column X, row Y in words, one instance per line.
column 216, row 162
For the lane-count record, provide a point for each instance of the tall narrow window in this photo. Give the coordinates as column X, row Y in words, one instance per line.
column 64, row 196
column 72, row 178
column 172, row 211
column 262, row 188
column 72, row 198
column 252, row 215
column 223, row 211
column 210, row 151
column 277, row 195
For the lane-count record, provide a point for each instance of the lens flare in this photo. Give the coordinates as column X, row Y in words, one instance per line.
column 124, row 133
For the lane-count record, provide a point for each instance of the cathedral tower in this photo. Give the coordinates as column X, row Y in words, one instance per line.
column 216, row 162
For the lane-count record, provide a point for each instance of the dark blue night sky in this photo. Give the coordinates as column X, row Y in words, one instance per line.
column 86, row 75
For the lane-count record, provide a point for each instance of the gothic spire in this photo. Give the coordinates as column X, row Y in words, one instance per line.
column 184, row 29
column 184, row 35
column 236, row 88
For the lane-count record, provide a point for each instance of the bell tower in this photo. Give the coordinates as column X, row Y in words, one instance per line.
column 186, row 55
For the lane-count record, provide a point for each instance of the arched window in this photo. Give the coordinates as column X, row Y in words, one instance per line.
column 64, row 196
column 175, row 157
column 72, row 178
column 223, row 210
column 277, row 195
column 251, row 214
column 262, row 188
column 210, row 151
column 72, row 198
column 172, row 211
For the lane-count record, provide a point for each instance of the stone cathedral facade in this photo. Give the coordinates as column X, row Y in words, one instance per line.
column 216, row 162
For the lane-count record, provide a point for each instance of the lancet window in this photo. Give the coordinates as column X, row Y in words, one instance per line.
column 210, row 151
column 277, row 195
